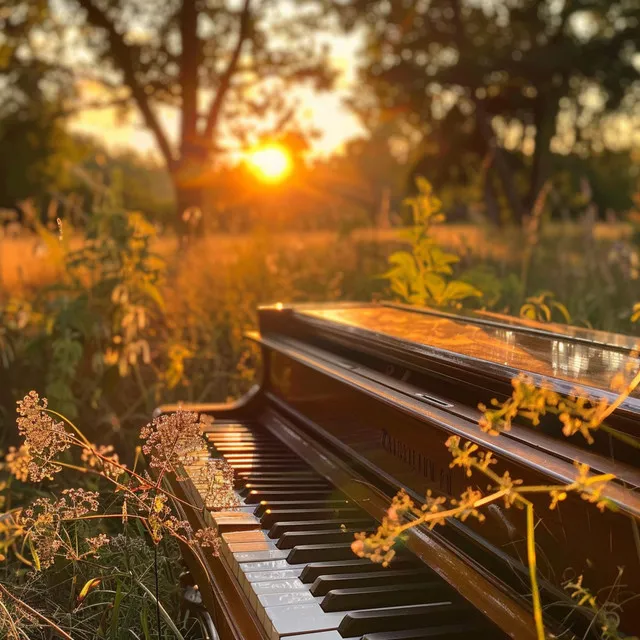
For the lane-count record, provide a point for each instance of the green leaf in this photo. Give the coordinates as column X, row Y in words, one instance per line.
column 163, row 612
column 154, row 293
column 435, row 285
column 563, row 310
column 113, row 627
column 144, row 623
column 458, row 290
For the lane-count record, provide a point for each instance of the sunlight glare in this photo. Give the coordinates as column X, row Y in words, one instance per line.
column 272, row 163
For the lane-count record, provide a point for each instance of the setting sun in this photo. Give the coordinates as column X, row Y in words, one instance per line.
column 271, row 163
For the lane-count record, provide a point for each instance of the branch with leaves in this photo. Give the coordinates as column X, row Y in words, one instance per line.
column 422, row 275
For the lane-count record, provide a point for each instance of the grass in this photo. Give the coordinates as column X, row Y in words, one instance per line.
column 210, row 294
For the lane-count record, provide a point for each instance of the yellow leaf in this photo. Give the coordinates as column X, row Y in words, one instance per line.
column 34, row 555
column 90, row 584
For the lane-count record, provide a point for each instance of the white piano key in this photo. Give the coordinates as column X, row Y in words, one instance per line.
column 299, row 618
column 267, row 565
column 261, row 556
column 281, row 599
column 264, row 545
column 245, row 536
column 279, row 574
column 278, row 586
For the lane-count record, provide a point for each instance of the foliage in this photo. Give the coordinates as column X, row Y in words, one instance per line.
column 97, row 318
column 542, row 306
column 506, row 84
column 421, row 276
column 105, row 572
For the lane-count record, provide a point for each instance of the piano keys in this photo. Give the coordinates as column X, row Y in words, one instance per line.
column 356, row 402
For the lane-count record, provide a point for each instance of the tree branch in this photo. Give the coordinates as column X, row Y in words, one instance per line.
column 225, row 80
column 122, row 55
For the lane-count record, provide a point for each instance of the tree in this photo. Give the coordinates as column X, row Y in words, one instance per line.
column 221, row 65
column 523, row 77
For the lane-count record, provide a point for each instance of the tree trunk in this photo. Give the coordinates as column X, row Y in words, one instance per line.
column 500, row 162
column 545, row 113
column 189, row 210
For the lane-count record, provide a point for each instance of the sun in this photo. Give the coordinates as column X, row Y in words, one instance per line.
column 271, row 163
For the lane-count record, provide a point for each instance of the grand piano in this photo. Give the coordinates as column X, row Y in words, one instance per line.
column 355, row 402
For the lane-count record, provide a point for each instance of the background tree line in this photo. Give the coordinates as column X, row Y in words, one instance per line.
column 489, row 99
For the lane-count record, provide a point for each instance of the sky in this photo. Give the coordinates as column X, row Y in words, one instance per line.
column 325, row 111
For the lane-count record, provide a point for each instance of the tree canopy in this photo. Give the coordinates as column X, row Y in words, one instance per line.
column 513, row 81
column 224, row 66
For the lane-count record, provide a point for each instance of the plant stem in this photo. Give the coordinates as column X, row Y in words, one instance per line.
column 157, row 586
column 531, row 556
column 37, row 614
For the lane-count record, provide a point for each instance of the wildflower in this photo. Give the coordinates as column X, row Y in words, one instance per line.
column 17, row 462
column 160, row 518
column 432, row 506
column 462, row 457
column 173, row 441
column 557, row 496
column 43, row 519
column 581, row 414
column 466, row 505
column 44, row 437
column 104, row 458
column 97, row 542
column 527, row 400
column 591, row 486
column 208, row 537
column 216, row 476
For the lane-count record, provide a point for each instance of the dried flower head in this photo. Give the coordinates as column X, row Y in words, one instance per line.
column 44, row 437
column 43, row 518
column 209, row 537
column 17, row 462
column 172, row 441
column 97, row 542
column 103, row 457
column 216, row 479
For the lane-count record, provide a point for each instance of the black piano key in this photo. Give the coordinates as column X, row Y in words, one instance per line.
column 353, row 565
column 284, row 476
column 320, row 553
column 297, row 538
column 309, row 484
column 281, row 505
column 260, row 467
column 271, row 516
column 280, row 528
column 245, row 456
column 256, row 496
column 325, row 583
column 466, row 631
column 239, row 447
column 393, row 595
column 358, row 623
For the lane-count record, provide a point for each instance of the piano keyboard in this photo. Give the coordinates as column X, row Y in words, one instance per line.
column 289, row 547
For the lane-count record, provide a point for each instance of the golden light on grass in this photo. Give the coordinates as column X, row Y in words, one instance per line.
column 270, row 163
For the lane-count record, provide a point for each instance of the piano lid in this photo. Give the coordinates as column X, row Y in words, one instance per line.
column 498, row 344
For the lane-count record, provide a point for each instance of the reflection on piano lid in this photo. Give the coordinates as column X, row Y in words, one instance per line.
column 563, row 331
column 501, row 347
